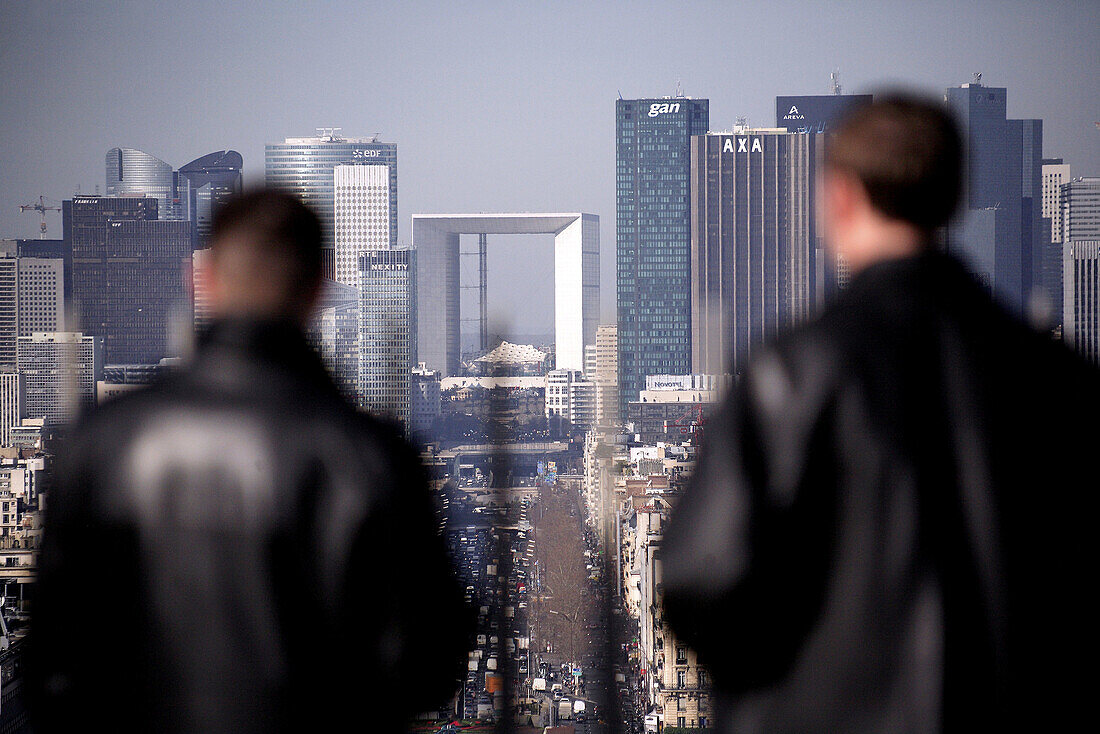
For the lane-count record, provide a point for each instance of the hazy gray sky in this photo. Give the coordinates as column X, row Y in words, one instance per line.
column 496, row 106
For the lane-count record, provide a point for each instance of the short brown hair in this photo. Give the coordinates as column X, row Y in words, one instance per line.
column 281, row 234
column 907, row 154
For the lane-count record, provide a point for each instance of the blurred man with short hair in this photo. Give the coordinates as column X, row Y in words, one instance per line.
column 236, row 549
column 886, row 531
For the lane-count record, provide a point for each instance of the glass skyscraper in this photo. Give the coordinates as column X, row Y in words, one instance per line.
column 999, row 231
column 304, row 167
column 203, row 184
column 129, row 272
column 387, row 330
column 653, row 236
column 132, row 172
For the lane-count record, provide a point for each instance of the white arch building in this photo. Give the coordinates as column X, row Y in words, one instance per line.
column 576, row 280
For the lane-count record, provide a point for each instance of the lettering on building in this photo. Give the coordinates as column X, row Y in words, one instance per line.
column 663, row 108
column 744, row 145
column 366, row 154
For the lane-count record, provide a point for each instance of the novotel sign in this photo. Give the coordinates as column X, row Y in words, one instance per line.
column 661, row 108
column 743, row 145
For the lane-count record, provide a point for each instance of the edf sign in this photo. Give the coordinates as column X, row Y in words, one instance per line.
column 744, row 145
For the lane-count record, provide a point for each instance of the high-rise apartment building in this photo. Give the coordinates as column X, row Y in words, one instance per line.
column 571, row 395
column 304, row 167
column 999, row 231
column 1081, row 305
column 11, row 404
column 362, row 210
column 129, row 275
column 387, row 330
column 653, row 235
column 59, row 370
column 203, row 185
column 754, row 241
column 606, row 375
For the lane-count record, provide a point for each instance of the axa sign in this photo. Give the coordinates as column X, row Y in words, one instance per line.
column 744, row 145
column 794, row 114
column 662, row 108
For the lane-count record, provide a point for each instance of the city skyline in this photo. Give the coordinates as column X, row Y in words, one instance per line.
column 493, row 111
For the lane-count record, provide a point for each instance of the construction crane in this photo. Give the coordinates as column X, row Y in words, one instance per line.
column 41, row 208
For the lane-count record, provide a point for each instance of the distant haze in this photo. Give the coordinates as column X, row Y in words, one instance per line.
column 495, row 106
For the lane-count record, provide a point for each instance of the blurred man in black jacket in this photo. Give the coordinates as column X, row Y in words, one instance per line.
column 887, row 529
column 236, row 549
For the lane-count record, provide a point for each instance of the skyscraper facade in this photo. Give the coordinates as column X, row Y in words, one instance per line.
column 132, row 172
column 204, row 184
column 129, row 275
column 999, row 230
column 304, row 167
column 60, row 370
column 11, row 404
column 754, row 241
column 653, row 236
column 9, row 309
column 1080, row 199
column 606, row 375
column 387, row 330
column 1081, row 304
column 362, row 211
column 1055, row 173
column 41, row 295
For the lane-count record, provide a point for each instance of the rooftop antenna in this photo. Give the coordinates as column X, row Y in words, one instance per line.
column 679, row 92
column 977, row 78
column 620, row 93
column 835, row 76
column 375, row 137
column 740, row 123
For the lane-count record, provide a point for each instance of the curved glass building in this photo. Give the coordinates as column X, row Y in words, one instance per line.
column 204, row 184
column 305, row 167
column 132, row 172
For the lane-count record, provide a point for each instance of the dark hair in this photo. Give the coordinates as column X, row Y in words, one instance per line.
column 278, row 224
column 907, row 154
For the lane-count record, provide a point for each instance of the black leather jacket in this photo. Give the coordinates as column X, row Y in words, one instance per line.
column 236, row 549
column 888, row 530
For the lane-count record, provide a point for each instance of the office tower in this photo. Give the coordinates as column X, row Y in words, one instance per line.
column 1055, row 173
column 304, row 167
column 9, row 309
column 572, row 396
column 1081, row 305
column 129, row 275
column 607, row 374
column 1081, row 209
column 204, row 184
column 815, row 113
column 362, row 211
column 11, row 404
column 60, row 371
column 41, row 295
column 200, row 295
column 653, row 235
column 753, row 241
column 50, row 250
column 387, row 330
column 337, row 336
column 999, row 229
column 132, row 172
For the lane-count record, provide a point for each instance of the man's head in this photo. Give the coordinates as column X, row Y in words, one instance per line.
column 265, row 258
column 892, row 177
